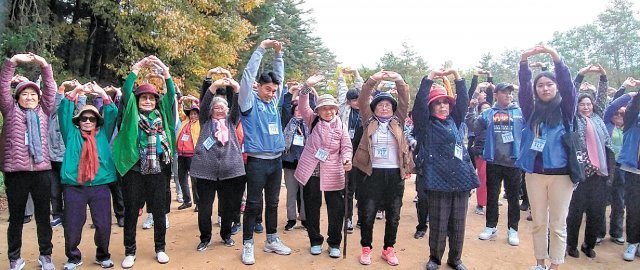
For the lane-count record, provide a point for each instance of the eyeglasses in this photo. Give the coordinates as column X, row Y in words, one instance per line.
column 618, row 114
column 91, row 119
column 441, row 101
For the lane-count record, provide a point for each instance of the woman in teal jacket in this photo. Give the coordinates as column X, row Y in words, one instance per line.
column 87, row 170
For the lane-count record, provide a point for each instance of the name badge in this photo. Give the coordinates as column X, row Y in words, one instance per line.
column 457, row 152
column 273, row 129
column 26, row 139
column 381, row 152
column 538, row 144
column 298, row 140
column 507, row 137
column 352, row 133
column 185, row 137
column 322, row 154
column 208, row 143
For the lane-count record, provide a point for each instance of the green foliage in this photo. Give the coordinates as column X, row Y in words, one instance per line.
column 284, row 20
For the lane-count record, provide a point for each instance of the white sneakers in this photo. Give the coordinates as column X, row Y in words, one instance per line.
column 148, row 223
column 128, row 262
column 631, row 252
column 277, row 246
column 488, row 233
column 539, row 267
column 162, row 257
column 512, row 237
column 247, row 254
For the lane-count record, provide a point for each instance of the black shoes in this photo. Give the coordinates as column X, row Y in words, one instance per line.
column 573, row 252
column 588, row 251
column 203, row 246
column 120, row 222
column 229, row 242
column 289, row 225
column 26, row 220
column 458, row 266
column 419, row 234
column 185, row 206
column 432, row 265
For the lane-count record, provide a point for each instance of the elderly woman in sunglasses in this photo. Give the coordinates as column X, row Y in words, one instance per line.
column 87, row 170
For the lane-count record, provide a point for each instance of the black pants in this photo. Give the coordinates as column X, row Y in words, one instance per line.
column 523, row 190
column 448, row 214
column 632, row 202
column 116, row 197
column 57, row 203
column 355, row 178
column 384, row 188
column 19, row 185
column 616, row 217
column 512, row 181
column 335, row 210
column 151, row 188
column 230, row 196
column 590, row 198
column 422, row 207
column 262, row 174
column 184, row 166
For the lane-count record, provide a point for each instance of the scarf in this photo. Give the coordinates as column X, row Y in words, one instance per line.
column 291, row 130
column 383, row 119
column 149, row 163
column 89, row 161
column 547, row 112
column 221, row 130
column 594, row 136
column 33, row 135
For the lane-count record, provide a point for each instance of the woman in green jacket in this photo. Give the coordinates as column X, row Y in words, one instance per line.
column 142, row 153
column 87, row 170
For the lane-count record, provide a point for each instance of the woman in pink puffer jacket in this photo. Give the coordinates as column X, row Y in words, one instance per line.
column 24, row 155
column 325, row 158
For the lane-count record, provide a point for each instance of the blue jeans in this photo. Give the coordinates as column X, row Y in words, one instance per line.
column 262, row 174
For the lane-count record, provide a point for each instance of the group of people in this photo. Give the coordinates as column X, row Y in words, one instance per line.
column 241, row 139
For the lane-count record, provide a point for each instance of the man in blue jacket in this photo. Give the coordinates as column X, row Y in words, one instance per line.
column 263, row 143
column 503, row 126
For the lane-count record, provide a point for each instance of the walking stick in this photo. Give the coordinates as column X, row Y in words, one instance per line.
column 344, row 229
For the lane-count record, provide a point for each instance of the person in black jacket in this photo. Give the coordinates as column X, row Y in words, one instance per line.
column 443, row 165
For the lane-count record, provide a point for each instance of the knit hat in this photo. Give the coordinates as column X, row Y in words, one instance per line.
column 353, row 94
column 438, row 91
column 193, row 107
column 504, row 86
column 24, row 85
column 383, row 96
column 90, row 108
column 147, row 88
column 326, row 100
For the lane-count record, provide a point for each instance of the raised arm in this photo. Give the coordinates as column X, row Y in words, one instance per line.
column 303, row 100
column 278, row 69
column 248, row 78
column 421, row 113
column 631, row 115
column 613, row 108
column 601, row 96
column 525, row 92
column 342, row 89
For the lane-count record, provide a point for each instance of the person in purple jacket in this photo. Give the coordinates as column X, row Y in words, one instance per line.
column 546, row 102
column 24, row 156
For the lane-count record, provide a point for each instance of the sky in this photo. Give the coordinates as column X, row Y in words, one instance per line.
column 359, row 32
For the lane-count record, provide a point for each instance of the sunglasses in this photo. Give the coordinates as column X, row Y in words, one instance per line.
column 91, row 119
column 618, row 114
column 441, row 101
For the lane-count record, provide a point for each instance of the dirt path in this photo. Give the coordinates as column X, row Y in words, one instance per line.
column 182, row 239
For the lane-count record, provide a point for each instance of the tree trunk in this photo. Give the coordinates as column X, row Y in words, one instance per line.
column 88, row 52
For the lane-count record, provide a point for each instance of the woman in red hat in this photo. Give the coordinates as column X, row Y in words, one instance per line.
column 142, row 152
column 24, row 156
column 443, row 165
column 188, row 134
